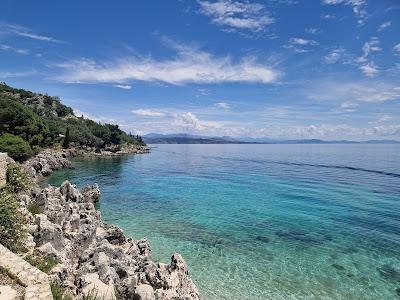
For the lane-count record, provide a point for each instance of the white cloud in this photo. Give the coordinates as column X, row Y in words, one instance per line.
column 396, row 49
column 222, row 105
column 334, row 55
column 24, row 32
column 371, row 46
column 312, row 30
column 369, row 69
column 303, row 42
column 190, row 65
column 358, row 7
column 237, row 14
column 328, row 17
column 366, row 65
column 382, row 119
column 355, row 92
column 123, row 86
column 384, row 25
column 16, row 50
column 300, row 45
column 148, row 112
column 99, row 119
column 5, row 74
column 331, row 131
column 349, row 106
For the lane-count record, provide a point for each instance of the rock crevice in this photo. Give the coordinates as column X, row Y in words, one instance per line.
column 93, row 256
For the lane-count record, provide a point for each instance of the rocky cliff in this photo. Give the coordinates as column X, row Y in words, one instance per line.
column 93, row 256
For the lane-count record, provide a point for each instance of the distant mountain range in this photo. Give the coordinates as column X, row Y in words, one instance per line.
column 183, row 138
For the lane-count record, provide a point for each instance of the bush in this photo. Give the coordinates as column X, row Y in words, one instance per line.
column 12, row 230
column 34, row 208
column 15, row 146
column 17, row 179
column 58, row 293
column 43, row 262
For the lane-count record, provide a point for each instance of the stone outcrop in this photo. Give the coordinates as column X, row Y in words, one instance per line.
column 93, row 258
column 3, row 168
column 48, row 161
column 97, row 257
column 36, row 283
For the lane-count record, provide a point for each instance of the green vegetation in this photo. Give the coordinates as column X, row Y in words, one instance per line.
column 34, row 208
column 66, row 140
column 30, row 122
column 58, row 293
column 12, row 230
column 7, row 272
column 12, row 222
column 15, row 146
column 17, row 179
column 43, row 262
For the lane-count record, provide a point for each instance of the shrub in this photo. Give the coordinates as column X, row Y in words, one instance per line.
column 34, row 208
column 12, row 230
column 15, row 146
column 17, row 179
column 43, row 262
column 58, row 293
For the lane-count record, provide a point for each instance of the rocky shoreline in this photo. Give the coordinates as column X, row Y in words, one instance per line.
column 94, row 257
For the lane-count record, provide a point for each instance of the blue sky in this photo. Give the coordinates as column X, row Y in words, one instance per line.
column 326, row 69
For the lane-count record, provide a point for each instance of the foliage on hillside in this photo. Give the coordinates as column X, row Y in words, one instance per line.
column 29, row 122
column 12, row 223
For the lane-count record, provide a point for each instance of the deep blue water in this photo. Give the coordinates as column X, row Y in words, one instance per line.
column 262, row 221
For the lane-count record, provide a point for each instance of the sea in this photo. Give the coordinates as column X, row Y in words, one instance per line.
column 253, row 222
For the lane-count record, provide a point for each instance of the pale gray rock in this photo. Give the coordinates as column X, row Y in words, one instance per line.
column 145, row 292
column 72, row 231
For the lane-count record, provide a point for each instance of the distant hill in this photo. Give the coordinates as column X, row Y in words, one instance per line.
column 154, row 138
column 183, row 138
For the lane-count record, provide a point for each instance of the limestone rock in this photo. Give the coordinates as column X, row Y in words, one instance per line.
column 72, row 231
column 145, row 292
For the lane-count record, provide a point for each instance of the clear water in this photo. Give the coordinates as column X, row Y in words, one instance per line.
column 262, row 221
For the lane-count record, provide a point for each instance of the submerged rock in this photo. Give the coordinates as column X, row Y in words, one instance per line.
column 388, row 272
column 338, row 267
column 262, row 238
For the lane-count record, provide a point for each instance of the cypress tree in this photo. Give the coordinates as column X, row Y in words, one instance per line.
column 66, row 139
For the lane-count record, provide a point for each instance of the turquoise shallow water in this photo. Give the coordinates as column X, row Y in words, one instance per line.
column 262, row 221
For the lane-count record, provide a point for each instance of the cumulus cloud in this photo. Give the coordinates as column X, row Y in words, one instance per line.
column 25, row 32
column 190, row 65
column 237, row 14
column 148, row 112
column 358, row 7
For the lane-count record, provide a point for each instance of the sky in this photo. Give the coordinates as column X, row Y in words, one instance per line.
column 298, row 69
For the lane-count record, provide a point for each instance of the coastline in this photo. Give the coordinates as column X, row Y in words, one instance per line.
column 92, row 255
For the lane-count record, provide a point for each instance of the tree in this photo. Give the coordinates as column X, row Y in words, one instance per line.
column 66, row 139
column 15, row 146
